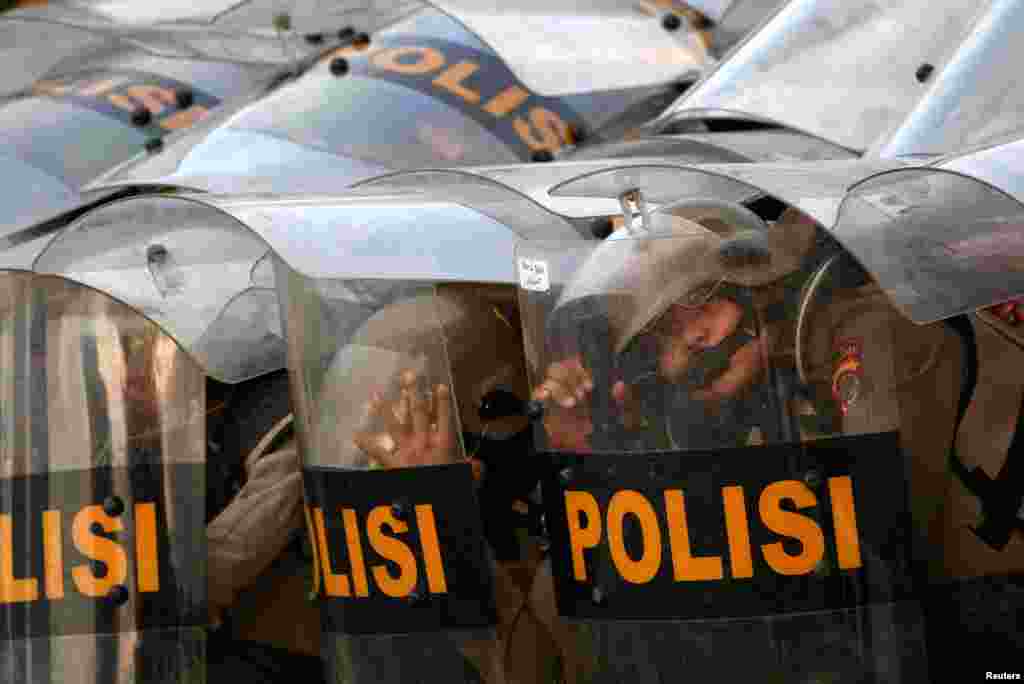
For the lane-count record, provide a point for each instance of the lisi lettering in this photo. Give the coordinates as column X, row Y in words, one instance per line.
column 96, row 536
column 391, row 539
column 589, row 526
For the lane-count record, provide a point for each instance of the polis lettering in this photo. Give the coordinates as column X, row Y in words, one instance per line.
column 536, row 126
column 588, row 527
column 96, row 537
column 388, row 537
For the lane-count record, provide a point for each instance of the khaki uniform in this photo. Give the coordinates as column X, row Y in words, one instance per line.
column 267, row 592
column 914, row 378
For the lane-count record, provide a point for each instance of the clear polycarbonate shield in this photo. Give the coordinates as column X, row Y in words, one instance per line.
column 844, row 71
column 737, row 20
column 186, row 265
column 615, row 45
column 345, row 119
column 19, row 45
column 941, row 240
column 102, row 489
column 241, row 32
column 35, row 197
column 100, row 102
column 720, row 417
column 251, row 14
column 815, row 188
column 386, row 379
column 972, row 102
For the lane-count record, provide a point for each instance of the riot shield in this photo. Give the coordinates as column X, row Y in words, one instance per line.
column 847, row 72
column 944, row 242
column 725, row 488
column 409, row 404
column 102, row 483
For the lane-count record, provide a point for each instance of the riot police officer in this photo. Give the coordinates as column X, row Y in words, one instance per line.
column 418, row 415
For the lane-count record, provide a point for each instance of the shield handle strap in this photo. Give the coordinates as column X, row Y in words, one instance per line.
column 1001, row 498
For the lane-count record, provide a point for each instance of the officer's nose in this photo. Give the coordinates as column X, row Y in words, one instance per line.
column 697, row 333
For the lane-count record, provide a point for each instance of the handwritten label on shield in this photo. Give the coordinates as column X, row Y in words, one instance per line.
column 534, row 275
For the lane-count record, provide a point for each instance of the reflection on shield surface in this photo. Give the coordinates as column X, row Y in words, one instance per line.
column 102, row 551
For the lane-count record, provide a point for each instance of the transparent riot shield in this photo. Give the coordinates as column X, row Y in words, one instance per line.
column 409, row 401
column 102, row 484
column 945, row 243
column 726, row 491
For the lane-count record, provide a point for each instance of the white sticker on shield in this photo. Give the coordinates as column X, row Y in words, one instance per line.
column 533, row 275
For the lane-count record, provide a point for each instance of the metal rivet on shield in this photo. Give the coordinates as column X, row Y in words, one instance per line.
column 156, row 254
column 113, row 506
column 812, row 478
column 283, row 21
column 534, row 409
column 565, row 475
column 118, row 595
column 597, row 596
column 141, row 116
column 655, row 471
column 400, row 509
column 184, row 98
column 602, row 228
column 671, row 22
column 541, row 156
column 702, row 23
column 924, row 72
column 314, row 38
column 682, row 86
column 154, row 145
column 339, row 66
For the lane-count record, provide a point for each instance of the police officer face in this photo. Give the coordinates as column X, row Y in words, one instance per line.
column 684, row 330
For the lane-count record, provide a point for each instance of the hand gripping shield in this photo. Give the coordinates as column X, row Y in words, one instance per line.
column 102, row 551
column 409, row 391
column 705, row 494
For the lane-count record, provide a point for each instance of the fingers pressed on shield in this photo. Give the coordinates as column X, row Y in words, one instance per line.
column 408, row 379
column 445, row 434
column 567, row 382
column 419, row 406
column 624, row 398
column 572, row 373
column 379, row 446
column 401, row 411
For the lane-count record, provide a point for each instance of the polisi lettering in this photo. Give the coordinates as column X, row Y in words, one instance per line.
column 481, row 84
column 780, row 506
column 390, row 538
column 105, row 546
